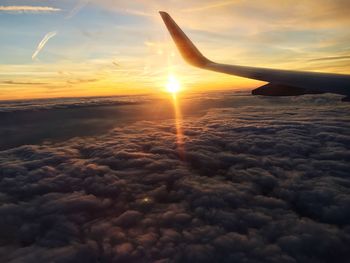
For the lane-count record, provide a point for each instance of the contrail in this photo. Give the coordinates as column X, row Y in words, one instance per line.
column 77, row 8
column 43, row 43
column 28, row 9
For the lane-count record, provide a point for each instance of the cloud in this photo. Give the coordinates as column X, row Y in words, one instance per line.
column 270, row 14
column 80, row 5
column 78, row 81
column 264, row 180
column 136, row 12
column 29, row 9
column 330, row 58
column 43, row 42
column 11, row 82
column 64, row 103
column 211, row 6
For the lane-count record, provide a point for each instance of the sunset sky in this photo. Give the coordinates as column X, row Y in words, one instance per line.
column 71, row 48
column 114, row 149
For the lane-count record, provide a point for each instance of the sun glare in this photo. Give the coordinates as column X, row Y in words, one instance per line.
column 173, row 85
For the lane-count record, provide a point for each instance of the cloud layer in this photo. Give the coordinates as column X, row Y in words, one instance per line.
column 264, row 180
column 28, row 9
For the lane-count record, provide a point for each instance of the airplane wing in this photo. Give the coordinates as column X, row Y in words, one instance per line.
column 280, row 82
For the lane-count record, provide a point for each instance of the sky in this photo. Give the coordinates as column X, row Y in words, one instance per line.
column 105, row 47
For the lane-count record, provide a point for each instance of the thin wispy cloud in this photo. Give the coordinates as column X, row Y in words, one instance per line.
column 43, row 42
column 81, row 4
column 11, row 82
column 137, row 12
column 28, row 9
column 79, row 81
column 211, row 6
column 330, row 58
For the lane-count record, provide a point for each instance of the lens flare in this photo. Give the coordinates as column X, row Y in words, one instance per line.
column 178, row 125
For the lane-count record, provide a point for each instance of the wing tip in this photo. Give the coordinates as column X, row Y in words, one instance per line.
column 187, row 49
column 164, row 15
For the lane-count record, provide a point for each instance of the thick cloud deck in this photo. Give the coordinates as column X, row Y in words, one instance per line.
column 257, row 184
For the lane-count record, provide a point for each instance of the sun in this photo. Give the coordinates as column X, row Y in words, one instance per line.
column 173, row 85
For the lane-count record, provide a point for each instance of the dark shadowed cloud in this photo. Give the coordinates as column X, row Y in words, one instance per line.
column 263, row 180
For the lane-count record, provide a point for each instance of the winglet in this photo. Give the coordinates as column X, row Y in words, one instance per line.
column 187, row 49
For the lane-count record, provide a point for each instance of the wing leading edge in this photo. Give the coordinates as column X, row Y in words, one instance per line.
column 281, row 82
